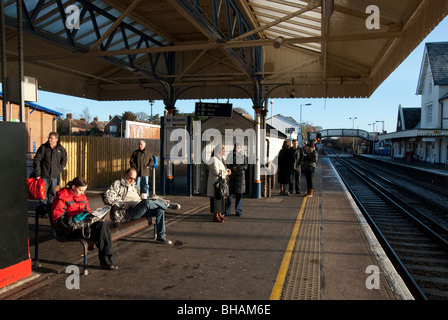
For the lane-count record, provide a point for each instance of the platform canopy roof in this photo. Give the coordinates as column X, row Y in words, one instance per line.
column 216, row 49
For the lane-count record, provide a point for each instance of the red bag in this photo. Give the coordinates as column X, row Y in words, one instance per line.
column 36, row 188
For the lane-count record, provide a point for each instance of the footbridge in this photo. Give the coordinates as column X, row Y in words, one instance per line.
column 358, row 133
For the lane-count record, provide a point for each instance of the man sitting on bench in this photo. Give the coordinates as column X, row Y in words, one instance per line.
column 125, row 194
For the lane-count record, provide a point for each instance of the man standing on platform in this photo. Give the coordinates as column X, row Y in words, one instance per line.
column 142, row 160
column 295, row 175
column 49, row 161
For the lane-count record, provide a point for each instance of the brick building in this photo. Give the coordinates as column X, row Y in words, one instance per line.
column 39, row 121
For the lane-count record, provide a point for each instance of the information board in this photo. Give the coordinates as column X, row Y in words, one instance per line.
column 207, row 109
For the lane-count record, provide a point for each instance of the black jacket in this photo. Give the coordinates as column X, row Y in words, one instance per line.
column 285, row 165
column 237, row 179
column 298, row 158
column 142, row 161
column 48, row 163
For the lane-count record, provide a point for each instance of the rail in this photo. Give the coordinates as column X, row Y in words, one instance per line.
column 386, row 218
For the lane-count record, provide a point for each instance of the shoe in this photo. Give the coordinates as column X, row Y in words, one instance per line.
column 163, row 240
column 222, row 217
column 216, row 218
column 173, row 206
column 309, row 193
column 108, row 266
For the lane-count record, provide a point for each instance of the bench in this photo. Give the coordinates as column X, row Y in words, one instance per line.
column 117, row 230
column 121, row 230
column 84, row 242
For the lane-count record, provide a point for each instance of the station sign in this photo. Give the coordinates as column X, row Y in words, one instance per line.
column 175, row 120
column 207, row 109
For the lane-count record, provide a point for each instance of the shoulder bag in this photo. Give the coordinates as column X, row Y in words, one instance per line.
column 221, row 188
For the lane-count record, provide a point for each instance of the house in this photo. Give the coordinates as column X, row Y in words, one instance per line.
column 74, row 127
column 426, row 137
column 288, row 126
column 115, row 127
column 97, row 127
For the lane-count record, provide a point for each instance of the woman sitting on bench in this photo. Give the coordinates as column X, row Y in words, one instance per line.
column 71, row 206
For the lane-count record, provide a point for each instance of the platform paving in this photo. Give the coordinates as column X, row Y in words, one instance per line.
column 239, row 259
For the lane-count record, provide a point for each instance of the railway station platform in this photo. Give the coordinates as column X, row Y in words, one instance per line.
column 281, row 248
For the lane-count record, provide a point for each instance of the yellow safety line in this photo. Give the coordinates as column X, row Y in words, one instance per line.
column 282, row 272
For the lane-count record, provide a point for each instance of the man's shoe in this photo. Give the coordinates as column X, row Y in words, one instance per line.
column 173, row 206
column 163, row 240
column 108, row 266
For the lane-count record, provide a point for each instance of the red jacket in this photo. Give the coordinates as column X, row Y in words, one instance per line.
column 67, row 203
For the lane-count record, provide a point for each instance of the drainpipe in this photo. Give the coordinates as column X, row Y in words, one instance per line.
column 52, row 125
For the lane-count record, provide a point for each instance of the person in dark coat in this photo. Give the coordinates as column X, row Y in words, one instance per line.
column 309, row 167
column 49, row 161
column 237, row 163
column 142, row 161
column 298, row 159
column 285, row 164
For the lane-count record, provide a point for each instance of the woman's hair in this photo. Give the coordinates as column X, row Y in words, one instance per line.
column 286, row 144
column 218, row 149
column 77, row 182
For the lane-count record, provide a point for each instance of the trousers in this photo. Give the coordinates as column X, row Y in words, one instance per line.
column 150, row 208
column 99, row 233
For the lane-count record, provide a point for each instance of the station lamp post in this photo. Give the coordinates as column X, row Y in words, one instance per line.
column 301, row 123
column 383, row 125
column 307, row 104
column 151, row 102
column 354, row 118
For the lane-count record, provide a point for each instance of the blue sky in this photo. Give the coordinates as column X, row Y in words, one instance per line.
column 399, row 88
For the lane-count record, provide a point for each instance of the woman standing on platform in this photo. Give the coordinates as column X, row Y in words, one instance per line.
column 309, row 167
column 285, row 166
column 217, row 168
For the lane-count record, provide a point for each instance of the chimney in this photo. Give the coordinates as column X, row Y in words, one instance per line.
column 95, row 119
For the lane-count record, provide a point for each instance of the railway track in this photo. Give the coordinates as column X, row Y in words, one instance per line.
column 413, row 243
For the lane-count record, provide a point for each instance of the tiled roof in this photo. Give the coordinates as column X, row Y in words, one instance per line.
column 438, row 58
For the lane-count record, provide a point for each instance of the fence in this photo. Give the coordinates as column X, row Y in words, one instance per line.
column 100, row 160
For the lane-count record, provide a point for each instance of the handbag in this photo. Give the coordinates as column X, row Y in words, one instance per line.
column 36, row 189
column 221, row 188
column 118, row 214
column 95, row 216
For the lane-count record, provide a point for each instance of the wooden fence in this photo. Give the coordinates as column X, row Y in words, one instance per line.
column 98, row 159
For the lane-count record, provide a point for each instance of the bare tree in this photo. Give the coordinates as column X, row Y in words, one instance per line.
column 86, row 114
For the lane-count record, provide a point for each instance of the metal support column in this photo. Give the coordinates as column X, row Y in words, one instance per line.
column 257, row 179
column 20, row 59
column 3, row 59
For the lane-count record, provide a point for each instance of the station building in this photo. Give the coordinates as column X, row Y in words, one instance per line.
column 422, row 132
